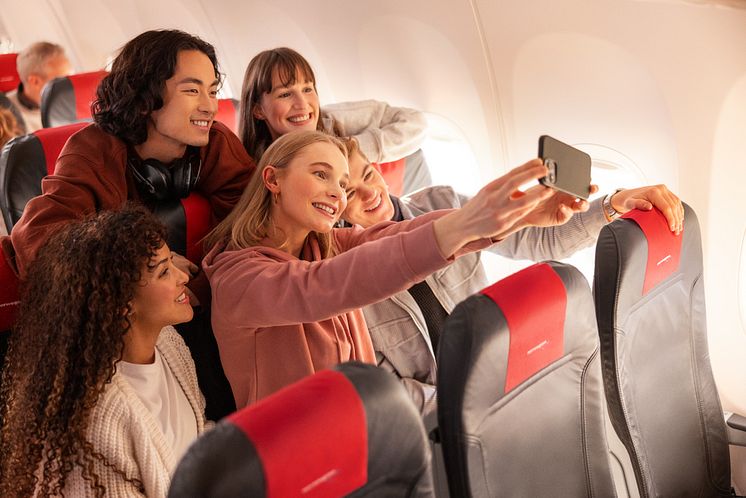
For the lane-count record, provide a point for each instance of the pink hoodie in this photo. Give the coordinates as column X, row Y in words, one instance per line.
column 277, row 318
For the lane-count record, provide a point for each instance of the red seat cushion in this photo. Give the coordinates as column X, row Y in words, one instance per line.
column 9, row 78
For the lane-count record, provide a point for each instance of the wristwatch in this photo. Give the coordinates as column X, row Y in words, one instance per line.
column 609, row 211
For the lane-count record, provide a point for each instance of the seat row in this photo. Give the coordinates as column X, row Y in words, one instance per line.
column 68, row 99
column 530, row 369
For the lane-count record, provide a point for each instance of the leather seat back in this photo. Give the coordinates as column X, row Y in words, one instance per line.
column 520, row 400
column 68, row 99
column 349, row 431
column 24, row 162
column 228, row 113
column 662, row 398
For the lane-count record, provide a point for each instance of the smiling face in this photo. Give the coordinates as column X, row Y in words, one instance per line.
column 160, row 297
column 289, row 105
column 189, row 106
column 310, row 192
column 368, row 200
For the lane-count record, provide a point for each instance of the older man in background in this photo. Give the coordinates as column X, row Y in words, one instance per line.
column 37, row 64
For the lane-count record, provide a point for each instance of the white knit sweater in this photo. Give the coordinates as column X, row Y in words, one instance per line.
column 128, row 435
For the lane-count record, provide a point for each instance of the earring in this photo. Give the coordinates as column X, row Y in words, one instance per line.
column 275, row 197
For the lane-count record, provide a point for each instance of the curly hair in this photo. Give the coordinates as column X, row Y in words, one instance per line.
column 133, row 89
column 63, row 349
column 257, row 81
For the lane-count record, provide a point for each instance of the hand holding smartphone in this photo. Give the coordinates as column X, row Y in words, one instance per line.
column 569, row 168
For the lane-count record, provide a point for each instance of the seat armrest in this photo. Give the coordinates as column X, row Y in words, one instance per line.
column 736, row 425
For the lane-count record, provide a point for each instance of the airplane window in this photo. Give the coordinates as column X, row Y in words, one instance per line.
column 449, row 156
column 452, row 162
column 610, row 170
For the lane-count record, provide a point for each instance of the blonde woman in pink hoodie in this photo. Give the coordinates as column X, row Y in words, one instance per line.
column 287, row 287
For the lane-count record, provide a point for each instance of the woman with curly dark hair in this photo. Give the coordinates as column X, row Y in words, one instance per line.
column 99, row 395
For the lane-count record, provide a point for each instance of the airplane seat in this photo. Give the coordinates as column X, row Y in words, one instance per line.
column 661, row 394
column 8, row 304
column 188, row 220
column 6, row 103
column 347, row 431
column 406, row 174
column 9, row 78
column 520, row 397
column 24, row 161
column 228, row 113
column 68, row 99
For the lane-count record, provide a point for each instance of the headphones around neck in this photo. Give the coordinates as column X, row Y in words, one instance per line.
column 157, row 181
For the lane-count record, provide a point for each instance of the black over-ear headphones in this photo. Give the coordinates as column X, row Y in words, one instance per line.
column 159, row 182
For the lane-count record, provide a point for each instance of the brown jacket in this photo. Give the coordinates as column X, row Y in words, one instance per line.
column 91, row 174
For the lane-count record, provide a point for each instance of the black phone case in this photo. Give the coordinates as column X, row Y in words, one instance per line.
column 572, row 167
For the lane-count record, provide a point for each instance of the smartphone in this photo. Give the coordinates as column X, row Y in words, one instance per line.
column 569, row 168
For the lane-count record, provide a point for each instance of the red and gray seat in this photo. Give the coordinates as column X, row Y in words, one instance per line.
column 9, row 81
column 520, row 396
column 228, row 113
column 662, row 399
column 348, row 431
column 407, row 174
column 24, row 162
column 9, row 78
column 8, row 304
column 68, row 99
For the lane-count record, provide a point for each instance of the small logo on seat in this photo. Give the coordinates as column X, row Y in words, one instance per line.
column 537, row 347
column 668, row 257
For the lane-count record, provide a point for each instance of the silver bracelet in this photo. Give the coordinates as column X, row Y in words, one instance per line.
column 609, row 211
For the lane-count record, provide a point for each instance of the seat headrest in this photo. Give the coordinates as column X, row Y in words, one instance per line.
column 393, row 173
column 664, row 247
column 536, row 319
column 228, row 113
column 331, row 435
column 9, row 78
column 24, row 162
column 198, row 216
column 52, row 141
column 308, row 439
column 68, row 99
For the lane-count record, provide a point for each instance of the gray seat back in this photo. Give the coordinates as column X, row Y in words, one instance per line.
column 349, row 431
column 520, row 401
column 661, row 394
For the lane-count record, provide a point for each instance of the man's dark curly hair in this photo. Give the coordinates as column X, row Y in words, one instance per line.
column 68, row 337
column 133, row 89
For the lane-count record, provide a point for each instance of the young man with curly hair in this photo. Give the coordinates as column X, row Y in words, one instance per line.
column 157, row 103
column 154, row 140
